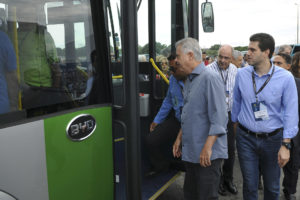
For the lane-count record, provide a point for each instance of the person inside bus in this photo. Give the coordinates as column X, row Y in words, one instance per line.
column 164, row 63
column 40, row 71
column 227, row 72
column 9, row 86
column 203, row 124
column 291, row 169
column 164, row 129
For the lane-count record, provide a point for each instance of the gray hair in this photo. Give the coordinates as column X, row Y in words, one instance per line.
column 236, row 54
column 283, row 47
column 190, row 45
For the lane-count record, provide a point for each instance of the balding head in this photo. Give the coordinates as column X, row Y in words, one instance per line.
column 224, row 56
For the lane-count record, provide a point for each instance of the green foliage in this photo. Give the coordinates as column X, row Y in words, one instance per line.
column 213, row 50
column 239, row 48
column 215, row 47
column 145, row 49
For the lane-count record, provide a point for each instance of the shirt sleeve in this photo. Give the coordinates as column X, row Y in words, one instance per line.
column 236, row 106
column 217, row 110
column 165, row 107
column 290, row 109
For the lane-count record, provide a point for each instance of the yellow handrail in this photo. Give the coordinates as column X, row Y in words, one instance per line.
column 117, row 77
column 159, row 71
column 15, row 41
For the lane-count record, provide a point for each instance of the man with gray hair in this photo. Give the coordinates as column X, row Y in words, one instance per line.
column 203, row 123
column 286, row 49
column 237, row 58
column 227, row 72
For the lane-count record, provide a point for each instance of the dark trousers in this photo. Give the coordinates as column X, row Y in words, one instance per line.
column 254, row 152
column 290, row 176
column 229, row 163
column 201, row 183
column 161, row 140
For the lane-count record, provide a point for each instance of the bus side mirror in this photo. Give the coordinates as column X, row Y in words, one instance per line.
column 207, row 14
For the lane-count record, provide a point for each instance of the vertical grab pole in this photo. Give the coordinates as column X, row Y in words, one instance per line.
column 16, row 45
column 132, row 135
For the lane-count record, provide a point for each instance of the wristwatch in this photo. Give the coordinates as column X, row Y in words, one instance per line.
column 287, row 145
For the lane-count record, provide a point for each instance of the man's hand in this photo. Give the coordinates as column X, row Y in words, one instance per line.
column 205, row 157
column 283, row 156
column 152, row 126
column 206, row 151
column 176, row 145
column 235, row 125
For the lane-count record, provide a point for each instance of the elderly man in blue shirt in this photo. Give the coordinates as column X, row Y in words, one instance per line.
column 265, row 105
column 203, row 123
column 164, row 129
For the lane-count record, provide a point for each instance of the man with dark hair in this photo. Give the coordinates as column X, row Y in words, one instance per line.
column 267, row 117
column 283, row 60
column 291, row 169
column 164, row 129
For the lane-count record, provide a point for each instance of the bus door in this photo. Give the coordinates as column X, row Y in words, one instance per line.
column 122, row 31
column 56, row 122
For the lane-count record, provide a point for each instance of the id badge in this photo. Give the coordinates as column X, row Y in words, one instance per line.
column 227, row 93
column 260, row 111
column 227, row 97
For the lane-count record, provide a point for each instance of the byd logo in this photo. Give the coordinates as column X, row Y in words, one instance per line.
column 81, row 127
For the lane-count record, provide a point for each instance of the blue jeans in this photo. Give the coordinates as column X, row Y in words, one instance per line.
column 253, row 151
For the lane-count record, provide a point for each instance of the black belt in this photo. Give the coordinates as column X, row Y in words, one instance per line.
column 260, row 134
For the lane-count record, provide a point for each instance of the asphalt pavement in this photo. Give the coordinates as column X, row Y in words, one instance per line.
column 175, row 191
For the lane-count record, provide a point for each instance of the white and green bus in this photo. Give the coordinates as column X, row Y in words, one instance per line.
column 74, row 129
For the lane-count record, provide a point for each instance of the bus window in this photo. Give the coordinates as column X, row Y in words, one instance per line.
column 163, row 45
column 143, row 33
column 52, row 44
column 114, row 28
column 8, row 67
column 114, row 19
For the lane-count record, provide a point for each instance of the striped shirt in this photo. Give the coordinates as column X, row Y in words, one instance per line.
column 228, row 77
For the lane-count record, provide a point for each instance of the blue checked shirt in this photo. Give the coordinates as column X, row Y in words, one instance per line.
column 173, row 99
column 204, row 114
column 280, row 96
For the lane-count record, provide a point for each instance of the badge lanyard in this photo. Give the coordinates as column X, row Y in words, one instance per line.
column 226, row 78
column 263, row 86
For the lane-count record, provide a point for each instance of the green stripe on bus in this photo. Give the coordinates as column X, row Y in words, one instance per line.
column 80, row 170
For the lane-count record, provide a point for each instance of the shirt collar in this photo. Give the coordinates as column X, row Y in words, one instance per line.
column 196, row 71
column 269, row 73
column 221, row 69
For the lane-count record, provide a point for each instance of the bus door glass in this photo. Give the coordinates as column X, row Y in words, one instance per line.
column 143, row 33
column 163, row 45
column 114, row 31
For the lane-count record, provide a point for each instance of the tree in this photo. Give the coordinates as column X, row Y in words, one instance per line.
column 239, row 48
column 145, row 49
